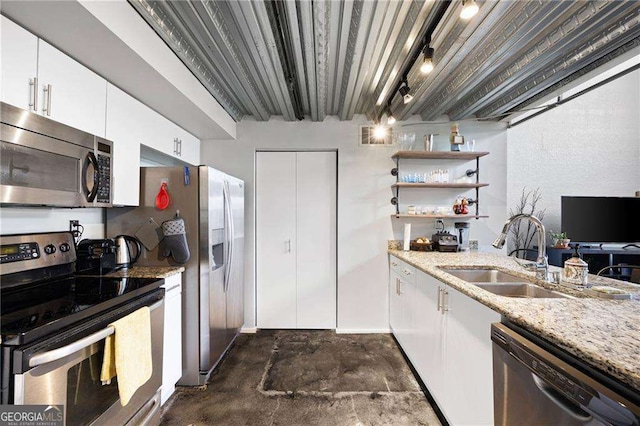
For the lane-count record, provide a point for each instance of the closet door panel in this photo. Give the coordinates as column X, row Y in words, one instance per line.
column 316, row 240
column 276, row 239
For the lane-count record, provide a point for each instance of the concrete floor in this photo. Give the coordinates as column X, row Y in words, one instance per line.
column 306, row 378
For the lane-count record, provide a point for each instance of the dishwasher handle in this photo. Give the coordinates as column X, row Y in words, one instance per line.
column 560, row 400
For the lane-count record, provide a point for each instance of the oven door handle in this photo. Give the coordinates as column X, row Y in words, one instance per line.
column 56, row 354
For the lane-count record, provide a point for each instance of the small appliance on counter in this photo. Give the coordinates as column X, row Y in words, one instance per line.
column 124, row 258
column 96, row 257
column 444, row 241
column 462, row 232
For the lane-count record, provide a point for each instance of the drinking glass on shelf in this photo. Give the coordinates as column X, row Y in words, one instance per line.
column 471, row 145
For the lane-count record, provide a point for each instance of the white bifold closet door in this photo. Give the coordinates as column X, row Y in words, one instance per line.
column 296, row 239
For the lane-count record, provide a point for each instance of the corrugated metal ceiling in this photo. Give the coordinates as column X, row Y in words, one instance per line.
column 318, row 58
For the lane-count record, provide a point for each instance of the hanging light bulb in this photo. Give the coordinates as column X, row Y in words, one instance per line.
column 380, row 131
column 469, row 9
column 391, row 120
column 404, row 92
column 427, row 62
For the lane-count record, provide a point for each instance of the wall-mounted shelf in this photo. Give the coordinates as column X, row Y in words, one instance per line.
column 438, row 185
column 439, row 216
column 438, row 155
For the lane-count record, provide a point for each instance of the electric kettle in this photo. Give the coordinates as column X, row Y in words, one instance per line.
column 124, row 258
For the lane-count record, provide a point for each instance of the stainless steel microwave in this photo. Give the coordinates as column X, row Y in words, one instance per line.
column 46, row 163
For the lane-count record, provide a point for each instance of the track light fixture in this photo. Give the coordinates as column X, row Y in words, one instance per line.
column 404, row 92
column 427, row 61
column 391, row 120
column 469, row 9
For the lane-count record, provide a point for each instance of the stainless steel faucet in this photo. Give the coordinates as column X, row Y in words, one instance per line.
column 541, row 266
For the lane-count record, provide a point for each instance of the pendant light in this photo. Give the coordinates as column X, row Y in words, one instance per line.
column 469, row 9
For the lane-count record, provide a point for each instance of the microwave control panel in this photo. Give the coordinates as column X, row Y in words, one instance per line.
column 104, row 179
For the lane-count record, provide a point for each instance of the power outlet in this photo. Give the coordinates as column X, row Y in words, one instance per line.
column 75, row 228
column 473, row 245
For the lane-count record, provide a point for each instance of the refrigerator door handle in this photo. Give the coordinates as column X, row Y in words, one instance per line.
column 228, row 229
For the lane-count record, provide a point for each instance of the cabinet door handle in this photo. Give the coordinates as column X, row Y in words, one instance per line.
column 439, row 293
column 33, row 93
column 397, row 286
column 180, row 147
column 445, row 301
column 288, row 246
column 47, row 93
column 394, row 264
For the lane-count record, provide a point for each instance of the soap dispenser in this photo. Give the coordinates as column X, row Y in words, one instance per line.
column 576, row 270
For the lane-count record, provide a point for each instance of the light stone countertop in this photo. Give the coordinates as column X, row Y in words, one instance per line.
column 603, row 333
column 147, row 272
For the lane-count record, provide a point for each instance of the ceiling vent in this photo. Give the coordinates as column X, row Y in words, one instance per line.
column 367, row 137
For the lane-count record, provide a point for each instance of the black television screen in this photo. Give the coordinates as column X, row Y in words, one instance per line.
column 601, row 219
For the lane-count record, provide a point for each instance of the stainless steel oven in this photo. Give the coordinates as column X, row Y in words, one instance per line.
column 53, row 325
column 65, row 370
column 43, row 162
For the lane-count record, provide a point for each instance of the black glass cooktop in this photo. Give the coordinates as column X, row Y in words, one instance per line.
column 30, row 312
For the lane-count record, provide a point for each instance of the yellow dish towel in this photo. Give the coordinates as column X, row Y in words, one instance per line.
column 127, row 353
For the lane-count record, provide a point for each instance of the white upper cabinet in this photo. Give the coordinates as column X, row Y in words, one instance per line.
column 19, row 65
column 168, row 138
column 70, row 93
column 126, row 131
column 188, row 147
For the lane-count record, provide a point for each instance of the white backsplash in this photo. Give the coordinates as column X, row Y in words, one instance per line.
column 20, row 220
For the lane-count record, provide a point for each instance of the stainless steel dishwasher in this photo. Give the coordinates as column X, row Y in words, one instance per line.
column 534, row 386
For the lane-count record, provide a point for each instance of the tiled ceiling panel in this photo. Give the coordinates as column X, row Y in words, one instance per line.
column 313, row 58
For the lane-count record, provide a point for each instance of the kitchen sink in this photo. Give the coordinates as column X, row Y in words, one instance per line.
column 503, row 283
column 521, row 290
column 484, row 275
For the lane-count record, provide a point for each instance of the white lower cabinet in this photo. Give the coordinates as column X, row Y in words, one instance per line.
column 429, row 323
column 449, row 345
column 172, row 348
column 468, row 372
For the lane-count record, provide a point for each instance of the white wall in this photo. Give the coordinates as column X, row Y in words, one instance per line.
column 19, row 220
column 588, row 146
column 364, row 210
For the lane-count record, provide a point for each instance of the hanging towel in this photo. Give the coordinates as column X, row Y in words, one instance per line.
column 127, row 353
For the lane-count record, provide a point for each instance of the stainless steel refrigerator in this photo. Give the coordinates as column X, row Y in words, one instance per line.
column 211, row 204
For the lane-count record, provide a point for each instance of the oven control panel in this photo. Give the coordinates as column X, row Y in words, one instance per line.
column 17, row 252
column 20, row 253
